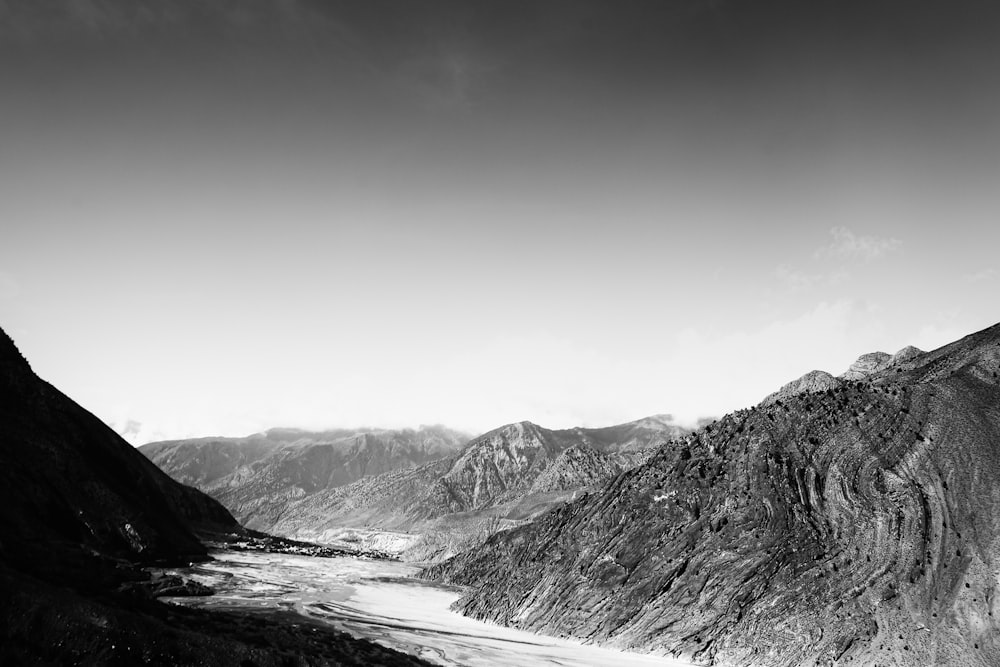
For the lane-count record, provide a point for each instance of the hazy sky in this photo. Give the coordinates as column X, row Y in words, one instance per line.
column 217, row 217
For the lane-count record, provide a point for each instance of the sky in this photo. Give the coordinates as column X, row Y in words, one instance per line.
column 220, row 217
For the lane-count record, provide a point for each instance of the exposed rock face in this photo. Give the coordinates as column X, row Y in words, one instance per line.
column 257, row 476
column 578, row 467
column 866, row 365
column 80, row 512
column 813, row 381
column 819, row 381
column 494, row 476
column 855, row 526
column 906, row 354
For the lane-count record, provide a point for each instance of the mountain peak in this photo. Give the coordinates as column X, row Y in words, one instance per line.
column 10, row 356
column 661, row 421
column 810, row 382
column 907, row 353
column 867, row 364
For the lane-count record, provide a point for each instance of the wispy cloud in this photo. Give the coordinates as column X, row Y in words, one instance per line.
column 848, row 245
column 123, row 19
column 801, row 280
column 981, row 276
column 443, row 80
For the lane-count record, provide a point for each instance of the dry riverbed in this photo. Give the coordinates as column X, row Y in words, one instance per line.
column 379, row 600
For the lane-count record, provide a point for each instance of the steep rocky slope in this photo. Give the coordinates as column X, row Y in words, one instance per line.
column 80, row 512
column 67, row 479
column 493, row 477
column 580, row 467
column 257, row 476
column 857, row 525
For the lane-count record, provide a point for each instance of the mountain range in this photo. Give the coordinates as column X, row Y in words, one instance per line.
column 843, row 520
column 442, row 493
column 256, row 477
column 851, row 520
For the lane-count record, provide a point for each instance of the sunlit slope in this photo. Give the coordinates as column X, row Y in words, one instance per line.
column 860, row 523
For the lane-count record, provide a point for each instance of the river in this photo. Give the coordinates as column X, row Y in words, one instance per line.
column 381, row 601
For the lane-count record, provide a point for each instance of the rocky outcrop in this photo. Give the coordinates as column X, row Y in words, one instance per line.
column 811, row 382
column 256, row 477
column 860, row 525
column 580, row 467
column 906, row 354
column 866, row 365
column 820, row 381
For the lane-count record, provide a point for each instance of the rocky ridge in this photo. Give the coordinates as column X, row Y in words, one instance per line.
column 866, row 364
column 582, row 467
column 811, row 382
column 853, row 525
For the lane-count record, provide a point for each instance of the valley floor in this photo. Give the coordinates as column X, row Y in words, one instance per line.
column 378, row 600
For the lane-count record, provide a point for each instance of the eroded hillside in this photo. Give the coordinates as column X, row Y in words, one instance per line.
column 855, row 525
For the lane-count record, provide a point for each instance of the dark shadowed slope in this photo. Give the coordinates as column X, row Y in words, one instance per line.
column 66, row 479
column 855, row 525
column 256, row 477
column 80, row 511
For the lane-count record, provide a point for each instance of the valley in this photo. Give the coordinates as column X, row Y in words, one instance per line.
column 421, row 512
column 381, row 601
column 847, row 519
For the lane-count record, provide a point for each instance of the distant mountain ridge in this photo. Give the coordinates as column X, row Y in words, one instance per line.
column 510, row 474
column 309, row 485
column 257, row 475
column 859, row 524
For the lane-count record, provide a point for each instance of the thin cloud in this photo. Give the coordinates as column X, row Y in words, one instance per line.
column 443, row 81
column 800, row 281
column 30, row 22
column 796, row 280
column 981, row 276
column 848, row 245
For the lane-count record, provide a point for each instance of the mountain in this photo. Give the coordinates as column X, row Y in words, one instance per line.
column 866, row 364
column 257, row 476
column 578, row 467
column 813, row 381
column 67, row 479
column 510, row 474
column 81, row 513
column 857, row 525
